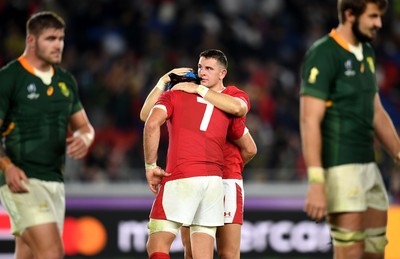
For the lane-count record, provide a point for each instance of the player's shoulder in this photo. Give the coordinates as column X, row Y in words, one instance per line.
column 11, row 71
column 231, row 89
column 62, row 71
column 12, row 65
column 236, row 92
column 368, row 47
column 64, row 75
column 325, row 44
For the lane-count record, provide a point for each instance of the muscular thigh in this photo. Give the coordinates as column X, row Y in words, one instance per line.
column 43, row 203
column 228, row 236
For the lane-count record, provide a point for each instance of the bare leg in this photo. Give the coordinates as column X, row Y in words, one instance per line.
column 43, row 240
column 185, row 236
column 202, row 245
column 160, row 242
column 228, row 241
column 22, row 250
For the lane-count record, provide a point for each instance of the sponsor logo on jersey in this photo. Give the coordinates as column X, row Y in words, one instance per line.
column 348, row 66
column 64, row 89
column 50, row 90
column 32, row 95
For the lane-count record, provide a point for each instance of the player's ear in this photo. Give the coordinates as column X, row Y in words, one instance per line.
column 222, row 74
column 349, row 15
column 30, row 39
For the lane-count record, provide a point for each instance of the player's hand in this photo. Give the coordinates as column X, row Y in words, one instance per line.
column 154, row 178
column 188, row 87
column 179, row 71
column 77, row 148
column 315, row 204
column 15, row 179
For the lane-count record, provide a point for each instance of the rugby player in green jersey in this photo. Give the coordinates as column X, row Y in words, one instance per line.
column 340, row 114
column 39, row 104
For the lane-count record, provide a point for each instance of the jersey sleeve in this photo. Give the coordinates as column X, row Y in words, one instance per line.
column 317, row 72
column 237, row 128
column 166, row 100
column 5, row 92
column 236, row 92
column 76, row 102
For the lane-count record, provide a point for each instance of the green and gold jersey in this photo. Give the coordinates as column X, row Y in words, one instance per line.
column 35, row 118
column 344, row 77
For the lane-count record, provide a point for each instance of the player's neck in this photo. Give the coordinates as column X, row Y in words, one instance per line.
column 37, row 62
column 345, row 32
column 218, row 87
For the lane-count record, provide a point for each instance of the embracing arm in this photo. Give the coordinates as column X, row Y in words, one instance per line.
column 247, row 147
column 151, row 99
column 224, row 102
column 158, row 89
column 385, row 130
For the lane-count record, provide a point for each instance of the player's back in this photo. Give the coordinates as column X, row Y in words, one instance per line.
column 197, row 134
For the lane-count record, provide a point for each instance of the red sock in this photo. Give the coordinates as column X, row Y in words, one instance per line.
column 159, row 255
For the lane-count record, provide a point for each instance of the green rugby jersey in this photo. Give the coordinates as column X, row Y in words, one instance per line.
column 332, row 73
column 35, row 118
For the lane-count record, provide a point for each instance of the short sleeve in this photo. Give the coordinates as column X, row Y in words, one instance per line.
column 236, row 129
column 5, row 93
column 317, row 72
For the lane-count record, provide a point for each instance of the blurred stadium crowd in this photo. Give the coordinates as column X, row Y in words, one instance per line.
column 118, row 49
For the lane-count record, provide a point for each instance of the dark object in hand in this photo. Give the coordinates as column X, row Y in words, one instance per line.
column 188, row 77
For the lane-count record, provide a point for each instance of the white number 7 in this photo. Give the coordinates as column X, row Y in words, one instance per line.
column 207, row 114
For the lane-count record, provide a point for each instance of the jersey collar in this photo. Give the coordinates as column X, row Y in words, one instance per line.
column 28, row 67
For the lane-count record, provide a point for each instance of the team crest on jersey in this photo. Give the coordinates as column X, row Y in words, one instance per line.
column 370, row 62
column 64, row 88
column 312, row 78
column 348, row 68
column 32, row 94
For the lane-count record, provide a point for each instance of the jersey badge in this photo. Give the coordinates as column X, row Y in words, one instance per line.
column 348, row 68
column 370, row 62
column 64, row 89
column 32, row 94
column 312, row 78
column 50, row 90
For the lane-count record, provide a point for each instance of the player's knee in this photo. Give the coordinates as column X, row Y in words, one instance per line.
column 375, row 240
column 345, row 237
column 54, row 253
column 225, row 253
column 202, row 229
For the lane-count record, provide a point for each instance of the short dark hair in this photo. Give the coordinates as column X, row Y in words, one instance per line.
column 43, row 20
column 216, row 54
column 357, row 7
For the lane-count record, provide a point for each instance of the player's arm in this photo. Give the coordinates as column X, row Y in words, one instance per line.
column 13, row 174
column 312, row 111
column 158, row 89
column 151, row 141
column 247, row 147
column 229, row 104
column 83, row 135
column 385, row 130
